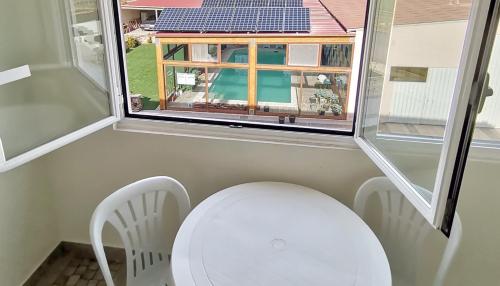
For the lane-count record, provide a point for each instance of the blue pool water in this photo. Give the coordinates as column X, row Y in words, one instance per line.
column 272, row 86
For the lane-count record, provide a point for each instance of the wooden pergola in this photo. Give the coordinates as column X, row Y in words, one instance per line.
column 252, row 40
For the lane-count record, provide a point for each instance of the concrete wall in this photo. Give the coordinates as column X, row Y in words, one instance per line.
column 28, row 232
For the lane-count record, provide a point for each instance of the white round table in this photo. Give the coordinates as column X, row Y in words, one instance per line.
column 275, row 234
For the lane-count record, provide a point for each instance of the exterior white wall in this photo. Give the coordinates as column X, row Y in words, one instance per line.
column 437, row 46
column 28, row 222
column 432, row 45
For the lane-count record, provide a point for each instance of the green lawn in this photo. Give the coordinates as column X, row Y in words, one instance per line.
column 142, row 78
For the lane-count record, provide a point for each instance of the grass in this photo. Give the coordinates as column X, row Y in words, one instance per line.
column 142, row 76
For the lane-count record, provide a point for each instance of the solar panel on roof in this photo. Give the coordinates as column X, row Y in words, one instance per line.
column 245, row 20
column 294, row 3
column 170, row 19
column 297, row 20
column 270, row 20
column 252, row 3
column 219, row 20
column 241, row 19
column 194, row 19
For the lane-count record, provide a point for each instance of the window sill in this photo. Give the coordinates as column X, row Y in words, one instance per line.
column 256, row 135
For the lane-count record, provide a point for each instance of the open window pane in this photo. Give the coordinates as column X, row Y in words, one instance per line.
column 412, row 107
column 438, row 87
column 241, row 66
column 62, row 83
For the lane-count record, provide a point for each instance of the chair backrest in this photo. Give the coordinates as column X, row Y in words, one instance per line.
column 136, row 211
column 403, row 230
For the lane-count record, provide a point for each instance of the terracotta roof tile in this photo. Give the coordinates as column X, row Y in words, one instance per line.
column 351, row 13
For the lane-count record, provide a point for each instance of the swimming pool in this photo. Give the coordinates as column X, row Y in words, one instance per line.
column 272, row 86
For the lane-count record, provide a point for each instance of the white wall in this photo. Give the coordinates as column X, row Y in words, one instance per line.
column 87, row 171
column 55, row 197
column 27, row 215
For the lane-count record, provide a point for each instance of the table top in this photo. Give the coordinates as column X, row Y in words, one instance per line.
column 270, row 233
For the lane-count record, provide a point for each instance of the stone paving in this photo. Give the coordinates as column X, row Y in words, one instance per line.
column 77, row 266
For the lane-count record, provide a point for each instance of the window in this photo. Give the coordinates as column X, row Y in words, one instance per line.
column 175, row 52
column 61, row 88
column 396, row 100
column 336, row 55
column 268, row 54
column 408, row 74
column 303, row 55
column 234, row 54
column 417, row 76
column 204, row 52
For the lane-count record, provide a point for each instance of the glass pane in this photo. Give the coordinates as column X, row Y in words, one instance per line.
column 228, row 90
column 204, row 52
column 488, row 120
column 278, row 91
column 428, row 43
column 325, row 95
column 271, row 54
column 62, row 43
column 336, row 55
column 185, row 88
column 303, row 55
column 176, row 52
column 234, row 54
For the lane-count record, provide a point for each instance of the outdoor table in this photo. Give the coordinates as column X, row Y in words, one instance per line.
column 270, row 233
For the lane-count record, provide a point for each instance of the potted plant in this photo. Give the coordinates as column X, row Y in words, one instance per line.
column 328, row 101
column 291, row 118
column 321, row 110
column 336, row 109
column 281, row 119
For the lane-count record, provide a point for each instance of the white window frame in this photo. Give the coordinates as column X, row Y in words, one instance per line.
column 433, row 211
column 112, row 65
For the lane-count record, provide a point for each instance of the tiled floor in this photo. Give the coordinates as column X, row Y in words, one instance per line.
column 75, row 264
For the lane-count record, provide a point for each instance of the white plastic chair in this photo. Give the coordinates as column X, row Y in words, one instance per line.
column 136, row 213
column 403, row 231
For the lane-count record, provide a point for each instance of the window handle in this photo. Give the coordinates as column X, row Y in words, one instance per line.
column 14, row 74
column 486, row 92
column 2, row 153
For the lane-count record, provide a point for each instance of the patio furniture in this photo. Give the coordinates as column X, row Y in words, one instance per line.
column 404, row 230
column 136, row 211
column 275, row 234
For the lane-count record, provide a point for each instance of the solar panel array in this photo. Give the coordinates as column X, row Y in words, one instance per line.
column 252, row 3
column 238, row 19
